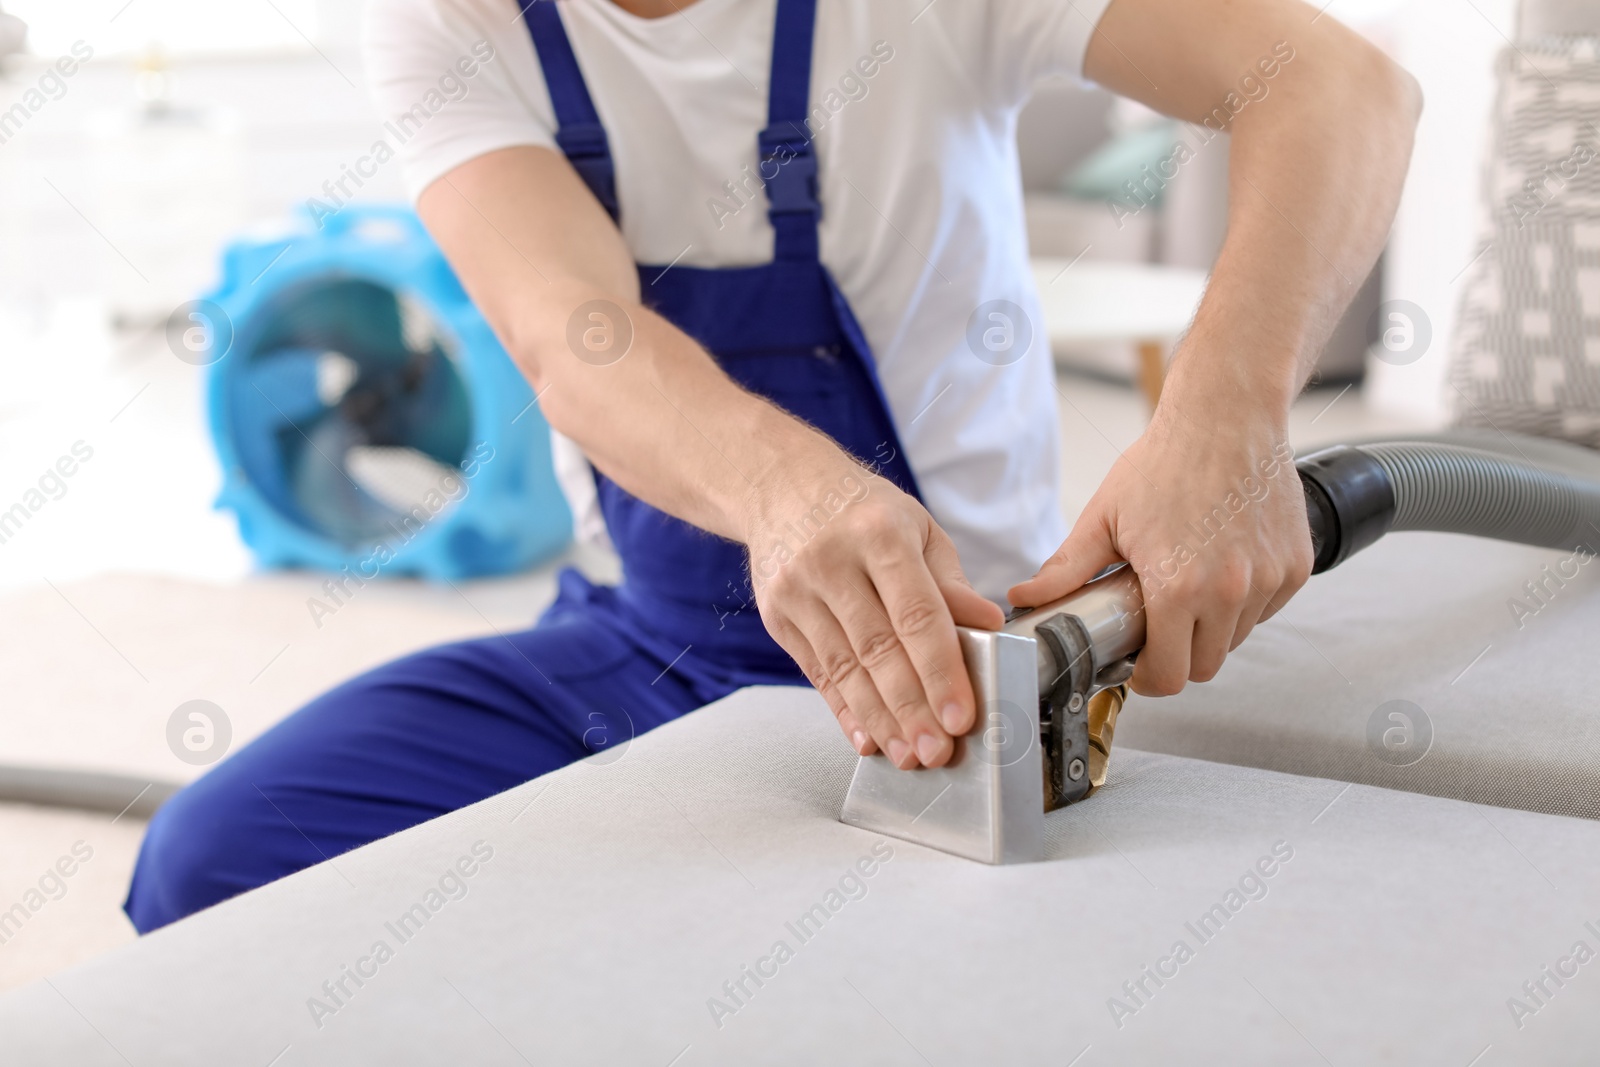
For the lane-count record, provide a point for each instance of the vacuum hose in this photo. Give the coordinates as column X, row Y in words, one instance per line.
column 1507, row 487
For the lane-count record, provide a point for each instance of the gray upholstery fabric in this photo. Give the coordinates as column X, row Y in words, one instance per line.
column 1511, row 694
column 621, row 896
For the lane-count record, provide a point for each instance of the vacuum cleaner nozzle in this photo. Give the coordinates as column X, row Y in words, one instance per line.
column 1048, row 687
column 1051, row 683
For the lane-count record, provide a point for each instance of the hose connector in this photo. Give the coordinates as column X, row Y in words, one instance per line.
column 1350, row 503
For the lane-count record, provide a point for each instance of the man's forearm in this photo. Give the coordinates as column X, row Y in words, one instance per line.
column 1316, row 170
column 1318, row 159
column 666, row 424
column 1321, row 125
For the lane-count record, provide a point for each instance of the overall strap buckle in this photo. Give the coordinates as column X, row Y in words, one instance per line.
column 579, row 134
column 581, row 140
column 789, row 170
column 788, row 157
column 589, row 151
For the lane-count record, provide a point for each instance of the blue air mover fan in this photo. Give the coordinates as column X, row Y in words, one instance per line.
column 364, row 414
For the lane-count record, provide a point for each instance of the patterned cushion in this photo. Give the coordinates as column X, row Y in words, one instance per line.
column 1551, row 18
column 1527, row 348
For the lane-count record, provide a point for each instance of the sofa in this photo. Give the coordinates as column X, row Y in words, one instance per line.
column 1262, row 880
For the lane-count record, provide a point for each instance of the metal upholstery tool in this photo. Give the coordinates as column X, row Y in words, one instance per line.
column 1050, row 684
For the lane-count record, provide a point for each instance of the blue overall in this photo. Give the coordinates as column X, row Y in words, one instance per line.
column 444, row 728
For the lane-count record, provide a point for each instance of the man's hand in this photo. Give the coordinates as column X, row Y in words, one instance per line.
column 857, row 583
column 1214, row 524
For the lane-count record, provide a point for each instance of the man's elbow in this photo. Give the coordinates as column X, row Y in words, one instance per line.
column 567, row 321
column 1390, row 93
column 530, row 348
column 538, row 354
column 1403, row 91
column 566, row 338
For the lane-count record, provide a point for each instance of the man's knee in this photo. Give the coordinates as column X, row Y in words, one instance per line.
column 190, row 858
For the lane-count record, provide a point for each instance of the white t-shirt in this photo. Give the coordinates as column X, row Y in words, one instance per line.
column 914, row 109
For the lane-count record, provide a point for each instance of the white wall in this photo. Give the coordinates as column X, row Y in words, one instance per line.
column 1450, row 46
column 268, row 130
column 178, row 26
column 101, row 201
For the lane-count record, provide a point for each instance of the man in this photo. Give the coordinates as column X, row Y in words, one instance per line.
column 763, row 262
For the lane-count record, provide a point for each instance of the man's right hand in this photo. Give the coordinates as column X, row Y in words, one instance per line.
column 860, row 586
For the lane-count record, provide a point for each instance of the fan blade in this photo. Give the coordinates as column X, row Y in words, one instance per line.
column 323, row 488
column 282, row 386
column 403, row 478
column 434, row 413
column 358, row 318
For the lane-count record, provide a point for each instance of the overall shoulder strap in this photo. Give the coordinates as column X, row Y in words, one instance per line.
column 788, row 159
column 578, row 131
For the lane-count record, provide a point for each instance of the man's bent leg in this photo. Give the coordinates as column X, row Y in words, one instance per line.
column 406, row 742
